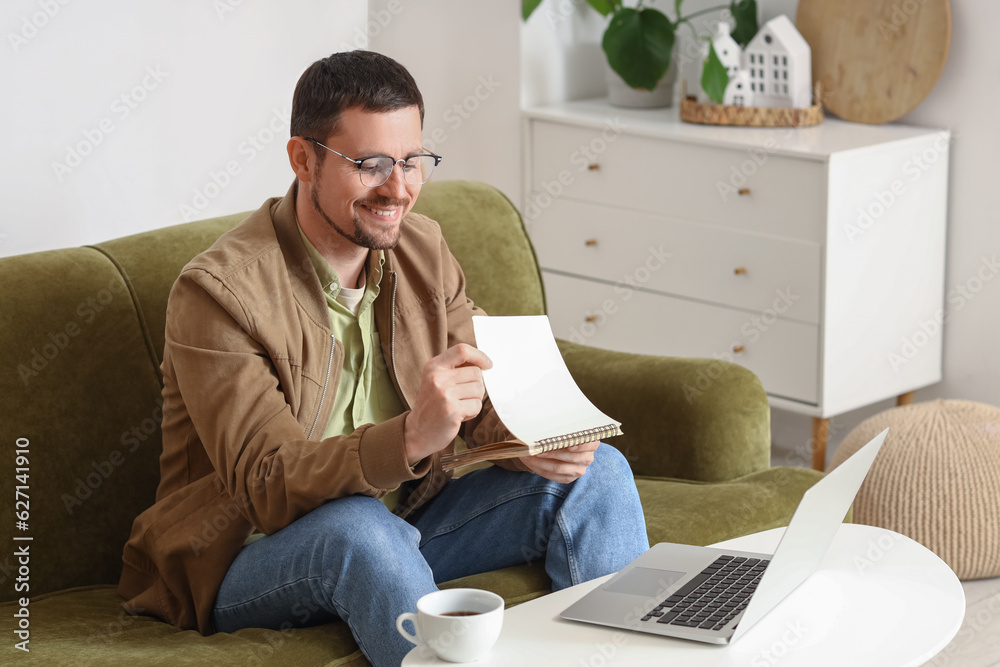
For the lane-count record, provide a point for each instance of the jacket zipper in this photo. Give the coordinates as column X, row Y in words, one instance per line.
column 392, row 341
column 329, row 367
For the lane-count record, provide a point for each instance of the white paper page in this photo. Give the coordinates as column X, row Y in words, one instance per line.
column 529, row 384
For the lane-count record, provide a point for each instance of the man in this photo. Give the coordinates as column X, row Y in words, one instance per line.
column 320, row 357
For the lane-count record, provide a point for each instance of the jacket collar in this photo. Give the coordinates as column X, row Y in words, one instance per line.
column 301, row 272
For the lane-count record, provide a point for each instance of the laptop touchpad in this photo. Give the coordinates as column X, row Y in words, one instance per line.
column 645, row 581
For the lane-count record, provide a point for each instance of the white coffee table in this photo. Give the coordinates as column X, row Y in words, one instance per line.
column 879, row 599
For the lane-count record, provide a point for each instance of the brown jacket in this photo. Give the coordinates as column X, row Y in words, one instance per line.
column 250, row 368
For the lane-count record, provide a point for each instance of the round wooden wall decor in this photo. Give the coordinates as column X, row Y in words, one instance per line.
column 876, row 59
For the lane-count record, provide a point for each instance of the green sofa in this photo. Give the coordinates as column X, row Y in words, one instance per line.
column 82, row 338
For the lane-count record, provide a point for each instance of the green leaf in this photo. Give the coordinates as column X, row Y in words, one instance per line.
column 714, row 77
column 638, row 44
column 528, row 6
column 605, row 7
column 745, row 13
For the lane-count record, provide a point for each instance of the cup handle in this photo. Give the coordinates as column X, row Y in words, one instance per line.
column 408, row 616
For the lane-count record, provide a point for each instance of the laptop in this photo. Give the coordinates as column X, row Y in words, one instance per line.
column 715, row 595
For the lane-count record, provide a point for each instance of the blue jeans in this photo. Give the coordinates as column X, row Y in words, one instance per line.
column 354, row 560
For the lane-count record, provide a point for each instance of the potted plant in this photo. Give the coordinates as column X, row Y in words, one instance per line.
column 639, row 41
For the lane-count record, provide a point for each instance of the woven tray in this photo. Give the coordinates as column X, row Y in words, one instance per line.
column 721, row 114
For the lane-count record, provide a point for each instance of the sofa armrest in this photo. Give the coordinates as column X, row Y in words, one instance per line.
column 698, row 419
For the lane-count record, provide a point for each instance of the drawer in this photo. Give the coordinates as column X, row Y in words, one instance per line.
column 698, row 261
column 782, row 354
column 784, row 196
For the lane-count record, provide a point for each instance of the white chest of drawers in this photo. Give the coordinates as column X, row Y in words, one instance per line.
column 812, row 256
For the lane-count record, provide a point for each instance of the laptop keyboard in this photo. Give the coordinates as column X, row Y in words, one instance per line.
column 713, row 597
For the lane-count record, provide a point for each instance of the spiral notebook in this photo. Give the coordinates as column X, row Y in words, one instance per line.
column 532, row 391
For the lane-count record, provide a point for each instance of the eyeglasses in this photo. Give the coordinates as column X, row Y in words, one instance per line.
column 375, row 171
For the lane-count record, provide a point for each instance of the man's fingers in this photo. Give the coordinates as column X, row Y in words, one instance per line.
column 460, row 383
column 445, row 378
column 465, row 355
column 567, row 455
column 562, row 465
column 557, row 471
column 465, row 374
column 470, row 407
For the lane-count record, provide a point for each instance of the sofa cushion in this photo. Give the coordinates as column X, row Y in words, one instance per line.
column 705, row 513
column 77, row 382
column 684, row 418
column 487, row 237
column 172, row 247
column 86, row 625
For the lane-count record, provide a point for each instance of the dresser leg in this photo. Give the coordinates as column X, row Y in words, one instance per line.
column 905, row 399
column 821, row 431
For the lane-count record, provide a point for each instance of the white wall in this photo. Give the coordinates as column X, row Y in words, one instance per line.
column 561, row 56
column 465, row 58
column 561, row 41
column 121, row 117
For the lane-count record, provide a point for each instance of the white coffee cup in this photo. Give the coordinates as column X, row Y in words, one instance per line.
column 458, row 624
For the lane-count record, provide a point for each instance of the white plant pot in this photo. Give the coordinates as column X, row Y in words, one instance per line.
column 621, row 95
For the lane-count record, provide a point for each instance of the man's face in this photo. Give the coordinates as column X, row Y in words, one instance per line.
column 367, row 217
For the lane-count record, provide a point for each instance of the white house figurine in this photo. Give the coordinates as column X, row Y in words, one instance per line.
column 738, row 91
column 729, row 52
column 779, row 62
column 775, row 70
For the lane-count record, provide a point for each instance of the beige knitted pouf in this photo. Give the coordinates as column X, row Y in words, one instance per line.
column 936, row 480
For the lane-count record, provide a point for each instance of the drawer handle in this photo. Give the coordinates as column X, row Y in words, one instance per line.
column 590, row 242
column 743, row 191
column 737, row 349
column 593, row 166
column 740, row 270
column 591, row 318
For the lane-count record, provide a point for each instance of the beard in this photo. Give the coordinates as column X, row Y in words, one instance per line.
column 358, row 233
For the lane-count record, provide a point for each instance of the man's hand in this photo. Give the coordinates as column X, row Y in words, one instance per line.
column 562, row 465
column 451, row 392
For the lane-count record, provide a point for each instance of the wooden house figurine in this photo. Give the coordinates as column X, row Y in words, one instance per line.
column 779, row 64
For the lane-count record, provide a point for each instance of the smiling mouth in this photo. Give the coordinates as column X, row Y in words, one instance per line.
column 386, row 210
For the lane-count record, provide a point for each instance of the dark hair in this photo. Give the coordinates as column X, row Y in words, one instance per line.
column 364, row 79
